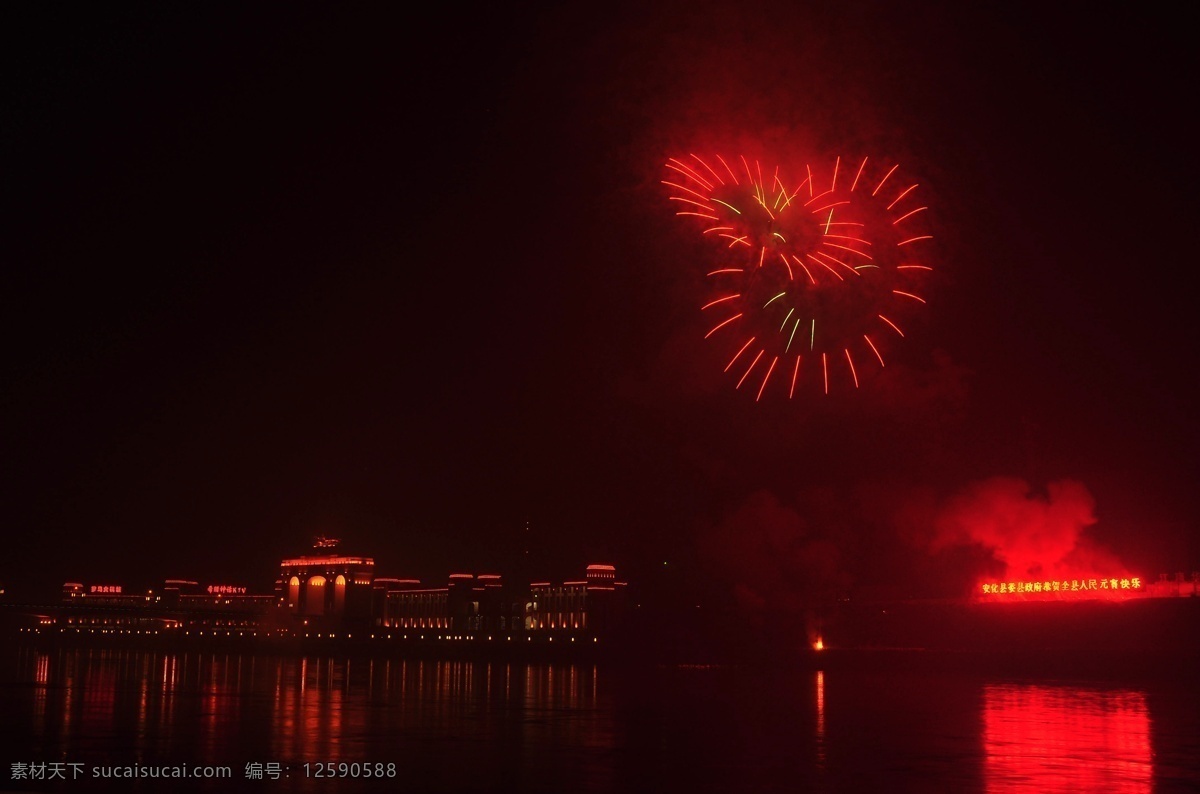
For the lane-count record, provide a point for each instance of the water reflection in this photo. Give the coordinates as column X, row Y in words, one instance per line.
column 1066, row 738
column 820, row 708
column 497, row 726
column 429, row 717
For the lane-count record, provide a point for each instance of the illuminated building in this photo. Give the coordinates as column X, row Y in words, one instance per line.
column 482, row 603
column 327, row 587
column 590, row 604
column 326, row 593
column 405, row 604
column 181, row 604
column 1179, row 586
column 111, row 594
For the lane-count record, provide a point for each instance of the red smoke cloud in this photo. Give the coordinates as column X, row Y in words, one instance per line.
column 774, row 563
column 1029, row 534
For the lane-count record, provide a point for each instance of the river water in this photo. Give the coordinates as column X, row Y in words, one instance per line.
column 322, row 723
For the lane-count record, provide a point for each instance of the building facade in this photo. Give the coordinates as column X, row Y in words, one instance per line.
column 326, row 592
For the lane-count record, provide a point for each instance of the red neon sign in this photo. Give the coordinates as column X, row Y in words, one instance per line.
column 226, row 589
column 1057, row 588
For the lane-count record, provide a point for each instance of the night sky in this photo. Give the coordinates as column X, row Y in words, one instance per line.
column 412, row 280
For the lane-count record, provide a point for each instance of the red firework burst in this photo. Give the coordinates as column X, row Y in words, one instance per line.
column 814, row 274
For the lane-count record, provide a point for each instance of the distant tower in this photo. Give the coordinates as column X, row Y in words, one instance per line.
column 532, row 558
column 522, row 555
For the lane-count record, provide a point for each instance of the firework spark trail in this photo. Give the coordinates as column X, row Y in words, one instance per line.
column 795, row 252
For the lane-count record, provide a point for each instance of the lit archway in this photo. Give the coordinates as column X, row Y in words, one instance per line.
column 339, row 595
column 314, row 596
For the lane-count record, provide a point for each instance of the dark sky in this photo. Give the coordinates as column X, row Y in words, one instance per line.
column 412, row 280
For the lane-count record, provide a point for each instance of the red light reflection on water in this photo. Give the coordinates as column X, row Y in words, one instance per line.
column 821, row 719
column 1066, row 739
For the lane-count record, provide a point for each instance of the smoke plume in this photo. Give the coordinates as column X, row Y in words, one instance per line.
column 1027, row 534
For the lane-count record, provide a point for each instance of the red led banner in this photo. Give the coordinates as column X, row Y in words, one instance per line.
column 1096, row 586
